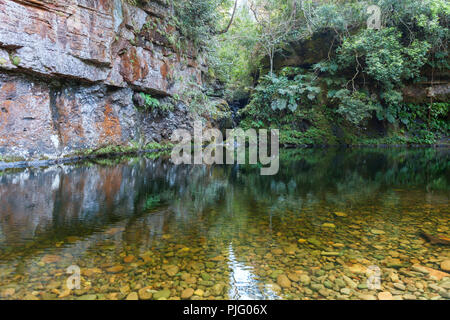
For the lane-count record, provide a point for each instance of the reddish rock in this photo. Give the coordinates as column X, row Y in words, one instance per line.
column 99, row 53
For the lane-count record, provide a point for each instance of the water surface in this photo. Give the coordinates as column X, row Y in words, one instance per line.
column 143, row 227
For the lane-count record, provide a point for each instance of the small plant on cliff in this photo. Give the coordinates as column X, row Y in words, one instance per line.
column 149, row 101
column 15, row 60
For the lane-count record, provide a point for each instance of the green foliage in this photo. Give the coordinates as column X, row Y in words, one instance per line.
column 152, row 202
column 286, row 91
column 384, row 57
column 198, row 20
column 354, row 106
column 233, row 62
column 366, row 69
column 150, row 102
column 15, row 60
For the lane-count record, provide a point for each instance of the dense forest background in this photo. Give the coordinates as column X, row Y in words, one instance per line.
column 316, row 71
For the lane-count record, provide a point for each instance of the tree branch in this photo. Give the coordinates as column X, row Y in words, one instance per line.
column 229, row 23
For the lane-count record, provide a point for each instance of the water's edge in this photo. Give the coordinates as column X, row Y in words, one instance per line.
column 77, row 159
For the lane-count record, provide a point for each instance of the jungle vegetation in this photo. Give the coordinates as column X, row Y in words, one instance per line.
column 351, row 94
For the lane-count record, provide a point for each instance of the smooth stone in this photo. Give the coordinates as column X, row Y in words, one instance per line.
column 330, row 253
column 345, row 291
column 305, row 279
column 352, row 284
column 171, row 270
column 384, row 295
column 205, row 276
column 133, row 296
column 293, row 277
column 187, row 293
column 50, row 258
column 283, row 281
column 314, row 241
column 161, row 294
column 317, row 286
column 206, row 283
column 445, row 265
column 367, row 297
column 400, row 286
column 145, row 293
column 115, row 269
column 362, row 286
column 217, row 289
column 328, row 284
column 340, row 283
column 340, row 214
column 420, row 269
column 199, row 292
column 358, row 269
column 324, row 292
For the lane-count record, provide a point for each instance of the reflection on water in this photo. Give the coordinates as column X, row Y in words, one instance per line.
column 150, row 227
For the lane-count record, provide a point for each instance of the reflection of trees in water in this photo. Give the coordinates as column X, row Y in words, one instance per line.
column 353, row 176
column 208, row 200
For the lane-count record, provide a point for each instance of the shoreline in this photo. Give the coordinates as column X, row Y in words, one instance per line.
column 23, row 164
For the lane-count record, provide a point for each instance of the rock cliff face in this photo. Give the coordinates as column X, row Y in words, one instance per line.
column 69, row 70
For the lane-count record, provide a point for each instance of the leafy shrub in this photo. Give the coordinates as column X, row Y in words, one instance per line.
column 285, row 92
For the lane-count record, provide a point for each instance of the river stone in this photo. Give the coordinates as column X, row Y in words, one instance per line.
column 145, row 293
column 161, row 294
column 367, row 297
column 199, row 292
column 50, row 258
column 317, row 286
column 352, row 284
column 445, row 265
column 205, row 276
column 305, row 279
column 133, row 296
column 314, row 241
column 187, row 293
column 400, row 286
column 340, row 214
column 420, row 269
column 115, row 269
column 346, row 291
column 8, row 292
column 340, row 283
column 330, row 253
column 385, row 295
column 283, row 281
column 217, row 289
column 358, row 269
column 324, row 292
column 171, row 270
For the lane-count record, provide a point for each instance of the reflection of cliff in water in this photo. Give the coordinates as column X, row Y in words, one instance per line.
column 152, row 197
column 58, row 202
